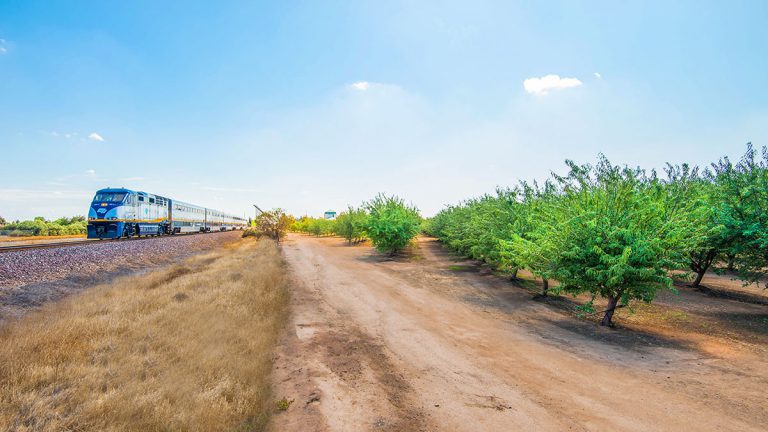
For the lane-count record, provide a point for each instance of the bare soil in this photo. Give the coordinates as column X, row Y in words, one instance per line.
column 430, row 341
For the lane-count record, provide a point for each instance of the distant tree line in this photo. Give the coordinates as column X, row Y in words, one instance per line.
column 618, row 232
column 387, row 221
column 39, row 226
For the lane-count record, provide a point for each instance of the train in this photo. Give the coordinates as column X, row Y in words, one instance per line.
column 119, row 212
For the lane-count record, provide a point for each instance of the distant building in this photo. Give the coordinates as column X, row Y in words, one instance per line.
column 330, row 214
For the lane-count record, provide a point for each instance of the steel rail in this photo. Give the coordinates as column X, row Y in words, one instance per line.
column 52, row 245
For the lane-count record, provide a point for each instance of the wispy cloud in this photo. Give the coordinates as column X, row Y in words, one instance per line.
column 3, row 48
column 90, row 173
column 543, row 85
column 95, row 137
column 373, row 88
column 597, row 75
column 66, row 135
column 361, row 85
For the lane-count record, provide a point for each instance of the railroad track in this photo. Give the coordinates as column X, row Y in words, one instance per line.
column 52, row 245
column 44, row 245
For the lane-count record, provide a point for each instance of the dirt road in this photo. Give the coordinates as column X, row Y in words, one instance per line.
column 424, row 344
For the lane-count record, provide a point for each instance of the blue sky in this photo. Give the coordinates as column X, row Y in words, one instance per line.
column 314, row 105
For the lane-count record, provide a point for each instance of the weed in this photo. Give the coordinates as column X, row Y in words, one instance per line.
column 283, row 404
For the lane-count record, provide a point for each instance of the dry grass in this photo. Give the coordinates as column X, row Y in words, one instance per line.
column 6, row 239
column 185, row 348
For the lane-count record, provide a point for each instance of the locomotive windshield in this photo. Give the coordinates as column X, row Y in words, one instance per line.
column 109, row 197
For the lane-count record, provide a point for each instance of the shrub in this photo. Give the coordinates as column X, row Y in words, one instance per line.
column 272, row 224
column 391, row 223
column 351, row 225
column 41, row 227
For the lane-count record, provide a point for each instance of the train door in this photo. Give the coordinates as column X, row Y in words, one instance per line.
column 143, row 208
column 171, row 228
column 153, row 210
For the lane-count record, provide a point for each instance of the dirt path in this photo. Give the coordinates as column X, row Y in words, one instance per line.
column 416, row 345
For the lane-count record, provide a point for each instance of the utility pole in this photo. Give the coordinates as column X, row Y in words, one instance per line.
column 258, row 210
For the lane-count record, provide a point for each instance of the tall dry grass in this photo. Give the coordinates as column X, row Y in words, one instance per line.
column 184, row 348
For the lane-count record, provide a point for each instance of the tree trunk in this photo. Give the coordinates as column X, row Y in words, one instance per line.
column 612, row 301
column 514, row 275
column 731, row 258
column 699, row 277
column 545, row 287
column 701, row 265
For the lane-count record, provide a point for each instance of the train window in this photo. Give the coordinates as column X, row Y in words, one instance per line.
column 141, row 198
column 151, row 200
column 109, row 197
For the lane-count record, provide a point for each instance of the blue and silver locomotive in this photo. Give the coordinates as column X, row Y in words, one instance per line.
column 120, row 212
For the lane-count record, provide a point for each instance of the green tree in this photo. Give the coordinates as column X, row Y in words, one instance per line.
column 351, row 224
column 391, row 223
column 476, row 227
column 273, row 224
column 740, row 197
column 529, row 245
column 613, row 239
column 688, row 196
column 491, row 218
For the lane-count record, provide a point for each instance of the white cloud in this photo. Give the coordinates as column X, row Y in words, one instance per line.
column 3, row 49
column 95, row 137
column 91, row 172
column 597, row 75
column 361, row 85
column 65, row 135
column 543, row 85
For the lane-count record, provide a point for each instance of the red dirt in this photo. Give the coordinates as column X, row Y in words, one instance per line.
column 430, row 342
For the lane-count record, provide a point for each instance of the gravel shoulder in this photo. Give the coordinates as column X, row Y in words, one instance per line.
column 31, row 278
column 420, row 344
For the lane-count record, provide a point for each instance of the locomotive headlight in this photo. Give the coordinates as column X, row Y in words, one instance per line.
column 113, row 218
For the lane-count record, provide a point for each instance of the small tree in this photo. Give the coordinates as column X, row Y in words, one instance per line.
column 613, row 238
column 391, row 223
column 491, row 218
column 740, row 197
column 273, row 224
column 351, row 224
column 529, row 244
column 688, row 197
column 2, row 222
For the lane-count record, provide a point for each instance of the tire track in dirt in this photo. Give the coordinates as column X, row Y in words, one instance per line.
column 338, row 376
column 375, row 343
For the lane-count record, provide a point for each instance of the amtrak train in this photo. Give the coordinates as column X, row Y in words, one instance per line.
column 120, row 212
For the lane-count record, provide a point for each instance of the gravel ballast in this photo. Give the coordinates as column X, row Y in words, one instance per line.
column 29, row 278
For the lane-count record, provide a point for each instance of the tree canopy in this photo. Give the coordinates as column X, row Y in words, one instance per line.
column 617, row 232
